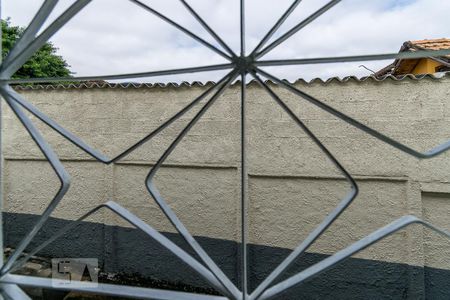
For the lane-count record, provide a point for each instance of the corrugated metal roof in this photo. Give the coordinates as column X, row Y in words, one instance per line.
column 92, row 85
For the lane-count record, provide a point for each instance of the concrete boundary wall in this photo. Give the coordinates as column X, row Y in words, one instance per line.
column 292, row 185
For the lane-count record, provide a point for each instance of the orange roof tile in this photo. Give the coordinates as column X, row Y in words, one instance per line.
column 435, row 44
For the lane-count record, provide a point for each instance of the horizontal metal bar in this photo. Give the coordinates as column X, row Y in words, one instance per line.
column 107, row 289
column 428, row 154
column 340, row 256
column 181, row 28
column 88, row 149
column 343, row 59
column 141, row 225
column 296, row 28
column 122, row 76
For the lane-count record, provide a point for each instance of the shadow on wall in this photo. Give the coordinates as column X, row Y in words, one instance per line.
column 121, row 250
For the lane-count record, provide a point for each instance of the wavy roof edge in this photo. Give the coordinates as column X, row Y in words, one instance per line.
column 89, row 85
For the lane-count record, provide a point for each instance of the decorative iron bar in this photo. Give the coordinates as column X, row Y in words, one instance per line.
column 239, row 65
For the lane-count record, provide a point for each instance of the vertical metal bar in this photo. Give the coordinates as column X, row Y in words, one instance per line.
column 170, row 214
column 244, row 229
column 244, row 194
column 1, row 154
column 1, row 160
column 331, row 216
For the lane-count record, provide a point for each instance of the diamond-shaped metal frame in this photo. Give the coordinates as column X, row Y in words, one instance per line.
column 239, row 66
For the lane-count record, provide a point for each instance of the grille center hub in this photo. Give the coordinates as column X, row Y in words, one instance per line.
column 244, row 63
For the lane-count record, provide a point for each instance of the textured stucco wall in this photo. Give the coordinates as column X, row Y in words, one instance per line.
column 292, row 185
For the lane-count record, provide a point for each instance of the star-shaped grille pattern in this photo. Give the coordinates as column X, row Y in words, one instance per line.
column 239, row 65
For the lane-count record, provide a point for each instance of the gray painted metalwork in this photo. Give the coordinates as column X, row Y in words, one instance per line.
column 239, row 65
column 244, row 177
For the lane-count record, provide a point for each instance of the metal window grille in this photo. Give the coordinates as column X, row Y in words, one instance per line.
column 240, row 65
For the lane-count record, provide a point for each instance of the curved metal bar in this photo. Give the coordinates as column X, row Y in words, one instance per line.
column 181, row 28
column 113, row 290
column 122, row 76
column 342, row 59
column 154, row 192
column 208, row 28
column 8, row 69
column 428, row 154
column 275, row 27
column 347, row 252
column 32, row 29
column 57, row 166
column 141, row 225
column 88, row 149
column 329, row 219
column 296, row 28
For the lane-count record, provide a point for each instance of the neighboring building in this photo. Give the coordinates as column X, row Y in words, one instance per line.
column 421, row 65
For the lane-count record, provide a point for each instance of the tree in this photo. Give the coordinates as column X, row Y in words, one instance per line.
column 44, row 63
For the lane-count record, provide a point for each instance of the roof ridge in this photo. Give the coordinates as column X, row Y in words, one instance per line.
column 131, row 85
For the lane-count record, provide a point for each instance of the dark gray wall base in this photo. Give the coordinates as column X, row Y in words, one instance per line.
column 129, row 251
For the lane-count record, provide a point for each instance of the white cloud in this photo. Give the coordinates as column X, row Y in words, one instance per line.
column 110, row 37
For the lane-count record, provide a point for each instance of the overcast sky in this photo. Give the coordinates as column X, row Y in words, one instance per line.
column 116, row 36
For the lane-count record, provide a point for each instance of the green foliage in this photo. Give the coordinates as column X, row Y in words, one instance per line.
column 44, row 63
